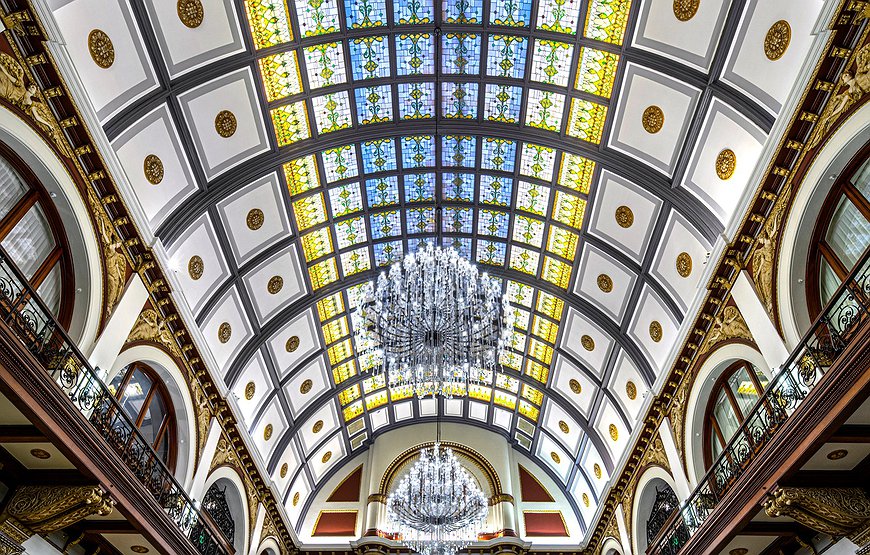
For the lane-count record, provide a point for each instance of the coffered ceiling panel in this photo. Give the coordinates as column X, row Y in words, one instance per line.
column 275, row 283
column 595, row 470
column 680, row 259
column 197, row 263
column 624, row 214
column 605, row 282
column 653, row 327
column 226, row 328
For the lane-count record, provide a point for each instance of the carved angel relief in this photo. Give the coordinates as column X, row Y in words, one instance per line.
column 728, row 325
column 765, row 251
column 150, row 327
column 856, row 80
column 113, row 253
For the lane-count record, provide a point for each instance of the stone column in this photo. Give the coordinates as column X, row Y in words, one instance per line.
column 681, row 481
column 758, row 321
column 121, row 322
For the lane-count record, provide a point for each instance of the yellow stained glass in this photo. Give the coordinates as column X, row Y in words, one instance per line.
column 524, row 260
column 596, row 71
column 335, row 330
column 507, row 382
column 301, row 175
column 587, row 120
column 373, row 383
column 329, row 307
column 376, row 400
column 316, row 244
column 529, row 411
column 521, row 318
column 556, row 272
column 520, row 293
column 537, row 371
column 291, row 123
column 480, row 392
column 606, row 19
column 576, row 172
column 505, row 400
column 349, row 395
column 545, row 329
column 511, row 360
column 550, row 306
column 340, row 351
column 540, row 350
column 323, row 273
column 309, row 211
column 456, row 390
column 281, row 75
column 532, row 394
column 352, row 411
column 562, row 242
column 344, row 371
column 269, row 21
column 403, row 392
column 569, row 209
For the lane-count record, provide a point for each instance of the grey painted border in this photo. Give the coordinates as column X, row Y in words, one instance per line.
column 285, row 375
column 293, row 253
column 233, row 295
column 673, row 217
column 631, row 71
column 646, row 292
column 311, row 366
column 545, row 413
column 272, row 444
column 587, row 251
column 212, row 238
column 562, row 346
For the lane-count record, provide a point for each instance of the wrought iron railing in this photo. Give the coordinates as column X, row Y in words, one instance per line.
column 26, row 315
column 827, row 338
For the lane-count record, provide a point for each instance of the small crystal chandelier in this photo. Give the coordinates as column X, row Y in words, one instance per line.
column 435, row 323
column 437, row 508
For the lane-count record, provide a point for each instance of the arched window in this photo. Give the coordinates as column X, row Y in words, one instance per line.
column 215, row 502
column 842, row 232
column 733, row 396
column 144, row 398
column 32, row 234
column 664, row 506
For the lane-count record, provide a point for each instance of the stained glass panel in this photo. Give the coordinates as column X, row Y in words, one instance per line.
column 420, row 187
column 386, row 224
column 370, row 57
column 532, row 197
column 559, row 16
column 495, row 190
column 596, row 71
column 493, row 222
column 281, row 76
column 491, row 252
column 310, row 211
column 413, row 12
column 459, row 100
column 576, row 172
column 587, row 120
column 362, row 14
column 379, row 155
column 545, row 110
column 538, row 161
column 503, row 103
column 324, row 64
column 498, row 154
column 418, row 151
column 269, row 22
column 512, row 13
column 457, row 187
column 416, row 100
column 606, row 20
column 331, row 112
column 345, row 200
column 415, row 54
column 382, row 192
column 339, row 163
column 506, row 56
column 460, row 53
column 301, row 175
column 291, row 123
column 317, row 17
column 458, row 150
column 551, row 62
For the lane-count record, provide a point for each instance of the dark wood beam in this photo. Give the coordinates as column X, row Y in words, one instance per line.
column 763, row 528
column 106, row 527
column 851, row 433
column 24, row 433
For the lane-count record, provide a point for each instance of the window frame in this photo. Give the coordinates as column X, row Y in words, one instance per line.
column 710, row 423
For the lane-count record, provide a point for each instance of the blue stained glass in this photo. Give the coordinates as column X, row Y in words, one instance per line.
column 462, row 245
column 386, row 224
column 415, row 54
column 458, row 187
column 458, row 150
column 420, row 187
column 374, row 104
column 516, row 13
column 460, row 54
column 363, row 14
column 498, row 154
column 457, row 219
column 495, row 190
column 383, row 191
column 506, row 56
column 418, row 151
column 420, row 220
column 416, row 100
column 370, row 57
column 491, row 252
column 339, row 163
column 463, row 11
column 413, row 12
column 502, row 103
column 379, row 155
column 459, row 100
column 387, row 253
column 494, row 223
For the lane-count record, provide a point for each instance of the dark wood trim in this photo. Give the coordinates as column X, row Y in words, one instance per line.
column 826, row 478
column 764, row 528
column 21, row 433
column 45, row 268
column 851, row 433
column 17, row 212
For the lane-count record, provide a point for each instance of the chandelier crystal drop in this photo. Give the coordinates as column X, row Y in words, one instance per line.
column 435, row 324
column 437, row 508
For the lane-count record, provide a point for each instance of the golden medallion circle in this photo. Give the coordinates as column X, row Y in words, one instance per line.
column 631, row 390
column 726, row 163
column 555, row 456
column 653, row 119
column 284, row 469
column 275, row 285
column 585, row 499
column 101, row 48
column 225, row 124
column 564, row 427
column 326, row 456
column 684, row 10
column 153, row 168
column 575, row 386
column 777, row 39
column 837, row 454
column 655, row 331
column 292, row 344
column 225, row 331
column 605, row 283
column 597, row 470
column 267, row 432
column 624, row 217
column 295, row 498
column 587, row 342
column 195, row 267
column 250, row 390
column 614, row 432
column 684, row 264
column 254, row 219
column 306, row 387
column 40, row 454
column 190, row 12
column 317, row 427
column 139, row 549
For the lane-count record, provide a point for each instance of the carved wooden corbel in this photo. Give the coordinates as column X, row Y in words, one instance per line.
column 833, row 511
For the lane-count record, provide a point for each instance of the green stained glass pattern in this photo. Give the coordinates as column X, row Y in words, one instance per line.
column 382, row 192
column 596, row 71
column 524, row 260
column 317, row 17
column 559, row 16
column 506, row 56
column 562, row 242
column 413, row 12
column 355, row 261
column 370, row 57
column 529, row 231
column 364, row 14
column 374, row 104
column 606, row 20
column 545, row 110
column 301, row 175
column 491, row 253
column 420, row 187
column 556, row 272
column 325, row 64
column 418, row 151
column 463, row 11
column 511, row 13
column 532, row 198
column 387, row 253
column 458, row 187
column 386, row 224
column 317, row 244
column 460, row 53
column 309, row 211
column 350, row 232
column 569, row 209
column 498, row 154
column 420, row 220
column 576, row 172
column 495, row 190
column 339, row 163
column 345, row 200
column 269, row 22
column 587, row 120
column 291, row 123
column 457, row 220
column 415, row 54
column 502, row 103
column 459, row 100
column 551, row 62
column 323, row 273
column 281, row 76
column 458, row 150
column 493, row 223
column 331, row 112
column 416, row 100
column 538, row 161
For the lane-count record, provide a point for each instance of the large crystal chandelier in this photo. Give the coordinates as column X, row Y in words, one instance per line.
column 437, row 508
column 434, row 323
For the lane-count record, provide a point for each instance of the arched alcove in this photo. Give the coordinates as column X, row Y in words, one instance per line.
column 654, row 479
column 269, row 546
column 611, row 546
column 233, row 488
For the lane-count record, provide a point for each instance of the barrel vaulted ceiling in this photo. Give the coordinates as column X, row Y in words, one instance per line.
column 586, row 153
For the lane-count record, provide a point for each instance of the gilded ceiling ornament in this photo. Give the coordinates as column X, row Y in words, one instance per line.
column 684, row 10
column 250, row 389
column 139, row 549
column 564, row 426
column 326, row 456
column 190, row 12
column 655, row 331
column 631, row 390
column 306, row 387
column 624, row 217
column 555, row 456
column 284, row 469
column 292, row 344
column 837, row 454
column 586, row 499
column 575, row 386
column 254, row 219
column 597, row 471
column 684, row 264
column 605, row 283
column 153, row 168
column 101, row 48
column 588, row 343
column 42, row 454
column 777, row 39
column 726, row 163
column 296, row 498
column 275, row 285
column 267, row 432
column 653, row 119
column 195, row 267
column 317, row 427
column 225, row 124
column 614, row 432
column 225, row 331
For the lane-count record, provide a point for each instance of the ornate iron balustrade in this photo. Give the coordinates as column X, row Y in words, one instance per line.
column 815, row 354
column 24, row 313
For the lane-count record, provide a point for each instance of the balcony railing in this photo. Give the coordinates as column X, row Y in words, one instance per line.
column 827, row 338
column 25, row 314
